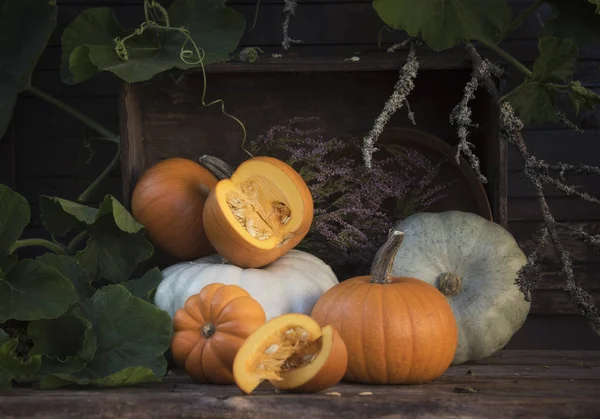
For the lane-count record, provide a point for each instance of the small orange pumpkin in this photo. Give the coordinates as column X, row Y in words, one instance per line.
column 168, row 200
column 259, row 214
column 398, row 330
column 211, row 328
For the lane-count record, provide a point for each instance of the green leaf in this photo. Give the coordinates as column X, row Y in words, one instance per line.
column 60, row 216
column 71, row 269
column 556, row 61
column 25, row 28
column 580, row 96
column 576, row 20
column 3, row 336
column 596, row 3
column 145, row 286
column 66, row 344
column 14, row 217
column 127, row 377
column 31, row 290
column 534, row 102
column 7, row 262
column 116, row 244
column 13, row 367
column 132, row 337
column 89, row 41
column 445, row 23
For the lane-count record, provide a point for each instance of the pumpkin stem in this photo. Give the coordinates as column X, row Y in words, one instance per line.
column 449, row 284
column 208, row 330
column 382, row 266
column 216, row 166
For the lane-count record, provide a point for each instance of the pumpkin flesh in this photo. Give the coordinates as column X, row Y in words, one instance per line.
column 261, row 212
column 293, row 353
column 210, row 329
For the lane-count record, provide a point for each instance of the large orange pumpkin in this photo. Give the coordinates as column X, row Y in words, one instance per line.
column 168, row 200
column 257, row 215
column 211, row 328
column 397, row 330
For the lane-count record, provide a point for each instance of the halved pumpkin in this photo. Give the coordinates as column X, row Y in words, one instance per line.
column 257, row 215
column 293, row 353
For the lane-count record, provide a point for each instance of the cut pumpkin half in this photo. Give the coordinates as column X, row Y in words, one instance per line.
column 293, row 353
column 258, row 214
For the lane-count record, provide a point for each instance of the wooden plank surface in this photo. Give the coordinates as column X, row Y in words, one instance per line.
column 532, row 384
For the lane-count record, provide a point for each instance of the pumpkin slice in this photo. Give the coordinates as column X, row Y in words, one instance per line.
column 293, row 353
column 257, row 215
column 210, row 329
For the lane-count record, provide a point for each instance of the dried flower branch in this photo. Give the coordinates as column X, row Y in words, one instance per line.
column 461, row 114
column 537, row 173
column 289, row 8
column 403, row 87
column 354, row 207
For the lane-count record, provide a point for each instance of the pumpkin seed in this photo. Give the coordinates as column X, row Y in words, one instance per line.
column 272, row 349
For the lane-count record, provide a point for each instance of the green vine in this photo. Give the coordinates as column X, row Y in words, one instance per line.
column 186, row 54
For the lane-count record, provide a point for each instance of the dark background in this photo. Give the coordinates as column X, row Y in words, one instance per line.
column 44, row 151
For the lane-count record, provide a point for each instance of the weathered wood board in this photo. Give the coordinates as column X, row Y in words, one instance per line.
column 532, row 384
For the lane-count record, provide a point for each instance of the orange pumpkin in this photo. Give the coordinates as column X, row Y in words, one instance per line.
column 259, row 214
column 398, row 330
column 168, row 200
column 293, row 353
column 210, row 329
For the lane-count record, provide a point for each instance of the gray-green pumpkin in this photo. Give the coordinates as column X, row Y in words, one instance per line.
column 474, row 262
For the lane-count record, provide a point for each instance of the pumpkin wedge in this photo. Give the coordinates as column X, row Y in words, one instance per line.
column 211, row 328
column 293, row 353
column 168, row 200
column 258, row 214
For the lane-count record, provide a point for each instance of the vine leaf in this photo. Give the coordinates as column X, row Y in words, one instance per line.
column 576, row 20
column 65, row 344
column 14, row 217
column 145, row 286
column 580, row 96
column 131, row 353
column 13, row 367
column 535, row 99
column 31, row 290
column 112, row 235
column 534, row 102
column 70, row 268
column 556, row 61
column 25, row 28
column 444, row 23
column 3, row 337
column 89, row 41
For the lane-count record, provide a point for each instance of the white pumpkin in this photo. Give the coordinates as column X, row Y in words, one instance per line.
column 291, row 284
column 474, row 262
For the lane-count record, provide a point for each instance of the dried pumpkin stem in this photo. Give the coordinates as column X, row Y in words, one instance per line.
column 382, row 266
column 449, row 284
column 216, row 166
column 208, row 330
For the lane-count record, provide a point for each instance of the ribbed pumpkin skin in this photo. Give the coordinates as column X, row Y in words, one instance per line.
column 168, row 200
column 398, row 333
column 235, row 316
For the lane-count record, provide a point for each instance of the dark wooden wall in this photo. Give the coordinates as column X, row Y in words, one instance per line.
column 45, row 151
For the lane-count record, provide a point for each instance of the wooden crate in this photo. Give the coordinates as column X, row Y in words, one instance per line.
column 163, row 118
